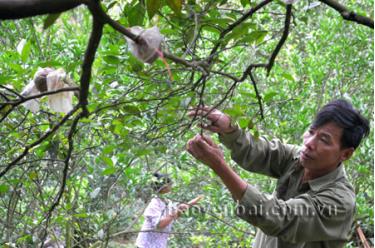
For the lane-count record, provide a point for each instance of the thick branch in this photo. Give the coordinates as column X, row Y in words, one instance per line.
column 96, row 35
column 283, row 38
column 98, row 12
column 348, row 14
column 17, row 9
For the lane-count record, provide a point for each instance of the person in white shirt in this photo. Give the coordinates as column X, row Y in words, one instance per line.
column 159, row 215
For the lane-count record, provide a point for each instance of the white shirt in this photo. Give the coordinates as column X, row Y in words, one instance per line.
column 156, row 210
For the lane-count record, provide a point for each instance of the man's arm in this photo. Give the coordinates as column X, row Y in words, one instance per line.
column 260, row 155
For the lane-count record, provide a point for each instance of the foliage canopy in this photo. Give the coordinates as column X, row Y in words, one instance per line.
column 83, row 178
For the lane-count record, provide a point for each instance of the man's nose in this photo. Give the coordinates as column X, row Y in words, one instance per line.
column 310, row 142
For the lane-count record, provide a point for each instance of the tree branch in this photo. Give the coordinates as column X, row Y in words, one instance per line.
column 96, row 34
column 257, row 94
column 98, row 12
column 17, row 9
column 283, row 38
column 348, row 14
column 25, row 99
column 11, row 90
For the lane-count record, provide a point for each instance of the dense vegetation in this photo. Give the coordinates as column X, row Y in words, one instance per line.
column 83, row 179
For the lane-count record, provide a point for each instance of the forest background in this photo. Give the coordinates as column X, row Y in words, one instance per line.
column 83, row 179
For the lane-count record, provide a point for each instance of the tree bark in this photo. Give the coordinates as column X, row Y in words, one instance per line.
column 17, row 9
column 348, row 14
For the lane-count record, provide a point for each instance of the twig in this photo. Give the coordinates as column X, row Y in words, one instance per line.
column 247, row 15
column 25, row 99
column 257, row 94
column 11, row 90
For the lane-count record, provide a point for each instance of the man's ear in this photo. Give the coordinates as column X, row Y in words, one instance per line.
column 346, row 153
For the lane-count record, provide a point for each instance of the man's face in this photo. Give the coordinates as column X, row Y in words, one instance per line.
column 322, row 150
column 166, row 189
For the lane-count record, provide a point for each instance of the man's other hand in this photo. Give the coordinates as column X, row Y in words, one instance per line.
column 205, row 150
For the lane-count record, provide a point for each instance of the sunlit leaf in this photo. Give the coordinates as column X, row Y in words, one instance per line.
column 176, row 5
column 152, row 7
column 136, row 15
column 4, row 188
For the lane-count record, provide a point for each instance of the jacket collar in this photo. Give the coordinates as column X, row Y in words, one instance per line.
column 317, row 183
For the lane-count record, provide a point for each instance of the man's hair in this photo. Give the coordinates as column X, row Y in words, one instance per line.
column 159, row 181
column 341, row 112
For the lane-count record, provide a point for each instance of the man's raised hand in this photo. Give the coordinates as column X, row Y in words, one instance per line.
column 219, row 122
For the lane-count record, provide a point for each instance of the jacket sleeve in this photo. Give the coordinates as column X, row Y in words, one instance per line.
column 268, row 157
column 326, row 215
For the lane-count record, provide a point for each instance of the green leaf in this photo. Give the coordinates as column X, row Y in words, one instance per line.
column 256, row 134
column 109, row 171
column 5, row 108
column 211, row 29
column 4, row 188
column 81, row 215
column 268, row 96
column 243, row 123
column 237, row 32
column 107, row 160
column 136, row 15
column 176, row 5
column 33, row 175
column 26, row 51
column 245, row 2
column 255, row 37
column 135, row 64
column 250, row 125
column 131, row 109
column 152, row 7
column 234, row 112
column 51, row 19
column 16, row 67
column 221, row 22
column 108, row 149
column 223, row 2
column 288, row 76
column 111, row 59
column 24, row 48
column 189, row 35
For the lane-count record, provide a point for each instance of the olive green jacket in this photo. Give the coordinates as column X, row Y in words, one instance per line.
column 318, row 213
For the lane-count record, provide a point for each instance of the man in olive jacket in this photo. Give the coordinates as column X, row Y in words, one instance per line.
column 313, row 204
